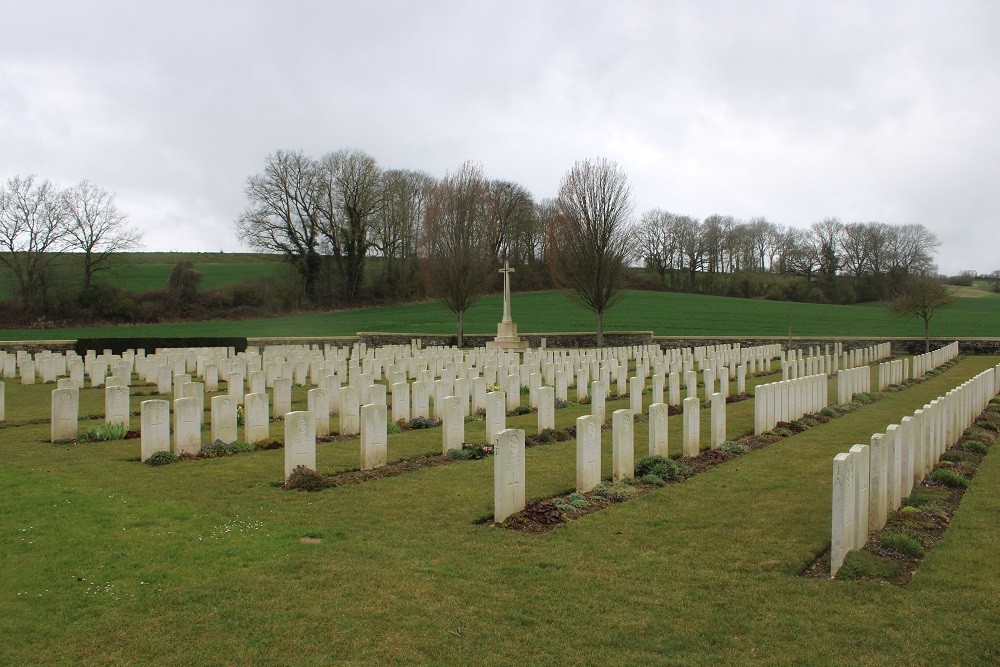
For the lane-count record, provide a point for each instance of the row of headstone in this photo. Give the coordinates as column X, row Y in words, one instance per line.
column 893, row 372
column 872, row 480
column 863, row 356
column 922, row 363
column 851, row 381
column 789, row 400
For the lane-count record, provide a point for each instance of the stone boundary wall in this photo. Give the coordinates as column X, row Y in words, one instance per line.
column 984, row 346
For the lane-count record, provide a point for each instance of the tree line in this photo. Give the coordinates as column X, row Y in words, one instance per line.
column 353, row 232
column 41, row 221
column 838, row 262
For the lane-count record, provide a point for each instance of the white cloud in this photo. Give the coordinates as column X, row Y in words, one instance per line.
column 791, row 110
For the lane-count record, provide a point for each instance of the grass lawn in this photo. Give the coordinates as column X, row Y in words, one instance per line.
column 666, row 314
column 106, row 560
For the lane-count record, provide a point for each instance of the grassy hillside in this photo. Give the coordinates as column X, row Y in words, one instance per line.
column 139, row 271
column 660, row 312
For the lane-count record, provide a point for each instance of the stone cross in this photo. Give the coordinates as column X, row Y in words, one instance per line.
column 506, row 271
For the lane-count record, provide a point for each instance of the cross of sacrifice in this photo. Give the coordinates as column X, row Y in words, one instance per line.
column 506, row 271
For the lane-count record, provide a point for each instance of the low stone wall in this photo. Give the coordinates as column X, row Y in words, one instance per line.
column 552, row 340
column 984, row 346
column 34, row 346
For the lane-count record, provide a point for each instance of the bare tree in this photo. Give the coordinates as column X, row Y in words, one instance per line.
column 920, row 296
column 588, row 238
column 33, row 232
column 97, row 228
column 511, row 211
column 458, row 258
column 351, row 196
column 396, row 229
column 653, row 246
column 284, row 214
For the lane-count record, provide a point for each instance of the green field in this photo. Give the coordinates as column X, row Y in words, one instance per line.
column 108, row 561
column 663, row 313
column 140, row 271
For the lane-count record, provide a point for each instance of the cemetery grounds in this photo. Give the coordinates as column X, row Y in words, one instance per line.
column 110, row 561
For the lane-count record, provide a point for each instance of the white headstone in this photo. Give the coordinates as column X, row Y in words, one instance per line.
column 658, row 429
column 546, row 408
column 300, row 441
column 282, row 395
column 508, row 474
column 65, row 414
column 224, row 419
column 116, row 406
column 401, row 401
column 692, row 426
column 622, row 444
column 588, row 453
column 187, row 426
column 453, row 424
column 256, row 424
column 154, row 432
column 718, row 417
column 350, row 411
column 597, row 401
column 374, row 437
column 318, row 404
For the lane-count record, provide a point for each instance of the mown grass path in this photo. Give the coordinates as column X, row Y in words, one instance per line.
column 110, row 561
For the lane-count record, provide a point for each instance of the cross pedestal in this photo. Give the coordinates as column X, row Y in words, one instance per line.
column 507, row 338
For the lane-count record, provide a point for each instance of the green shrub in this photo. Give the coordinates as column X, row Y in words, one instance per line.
column 662, row 467
column 652, row 479
column 161, row 458
column 987, row 425
column 976, row 446
column 563, row 506
column 560, row 403
column 616, row 491
column 522, row 410
column 459, row 454
column 305, row 479
column 957, row 457
column 809, row 422
column 783, row 432
column 105, row 432
column 525, row 391
column 393, row 427
column 829, row 412
column 241, row 447
column 949, row 478
column 865, row 565
column 577, row 500
column 730, row 447
column 902, row 543
column 422, row 422
column 924, row 495
column 864, row 398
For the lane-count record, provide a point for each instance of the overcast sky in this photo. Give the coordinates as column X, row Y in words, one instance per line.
column 795, row 111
